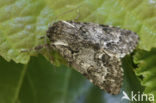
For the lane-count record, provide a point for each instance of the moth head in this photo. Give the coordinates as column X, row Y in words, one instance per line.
column 61, row 33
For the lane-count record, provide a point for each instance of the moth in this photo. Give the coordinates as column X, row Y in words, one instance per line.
column 94, row 50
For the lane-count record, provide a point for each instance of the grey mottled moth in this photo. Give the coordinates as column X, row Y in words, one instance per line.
column 94, row 50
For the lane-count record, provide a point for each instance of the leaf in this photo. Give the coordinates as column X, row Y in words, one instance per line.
column 41, row 82
column 141, row 18
column 11, row 77
column 147, row 69
column 44, row 83
column 23, row 22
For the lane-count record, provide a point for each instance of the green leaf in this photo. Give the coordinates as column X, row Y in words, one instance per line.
column 147, row 69
column 23, row 22
column 11, row 77
column 41, row 82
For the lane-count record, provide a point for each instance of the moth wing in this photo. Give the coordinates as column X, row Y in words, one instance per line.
column 101, row 69
column 119, row 42
column 116, row 41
